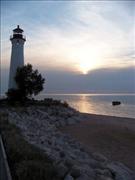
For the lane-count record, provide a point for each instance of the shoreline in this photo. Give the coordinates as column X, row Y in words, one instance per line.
column 112, row 111
column 105, row 115
column 129, row 122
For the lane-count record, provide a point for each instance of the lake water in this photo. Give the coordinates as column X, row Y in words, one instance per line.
column 99, row 103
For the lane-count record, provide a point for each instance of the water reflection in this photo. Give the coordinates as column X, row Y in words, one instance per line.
column 100, row 104
column 84, row 104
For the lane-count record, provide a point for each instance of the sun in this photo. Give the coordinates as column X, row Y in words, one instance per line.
column 88, row 59
column 84, row 67
column 88, row 63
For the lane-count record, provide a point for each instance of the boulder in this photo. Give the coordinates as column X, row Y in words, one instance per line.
column 102, row 177
column 114, row 103
column 104, row 172
column 61, row 170
column 120, row 172
column 75, row 171
column 68, row 177
column 99, row 157
column 39, row 127
column 85, row 177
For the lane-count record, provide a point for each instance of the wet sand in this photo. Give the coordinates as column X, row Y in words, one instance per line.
column 113, row 137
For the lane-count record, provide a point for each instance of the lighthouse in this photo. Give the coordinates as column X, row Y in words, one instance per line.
column 17, row 55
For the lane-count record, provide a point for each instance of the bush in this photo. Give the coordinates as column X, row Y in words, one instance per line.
column 52, row 102
column 15, row 95
column 29, row 82
column 65, row 104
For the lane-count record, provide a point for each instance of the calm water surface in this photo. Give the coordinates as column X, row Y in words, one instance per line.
column 99, row 103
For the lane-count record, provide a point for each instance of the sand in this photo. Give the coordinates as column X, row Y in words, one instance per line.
column 113, row 137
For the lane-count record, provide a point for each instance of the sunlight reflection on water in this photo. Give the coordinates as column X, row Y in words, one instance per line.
column 99, row 104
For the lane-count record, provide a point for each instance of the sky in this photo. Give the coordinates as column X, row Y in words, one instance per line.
column 78, row 46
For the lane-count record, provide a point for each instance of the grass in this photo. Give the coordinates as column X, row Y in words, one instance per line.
column 26, row 162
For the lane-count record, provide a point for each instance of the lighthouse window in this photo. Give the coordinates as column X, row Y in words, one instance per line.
column 17, row 42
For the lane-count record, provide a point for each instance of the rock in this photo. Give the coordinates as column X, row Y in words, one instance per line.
column 87, row 170
column 120, row 172
column 99, row 157
column 40, row 126
column 68, row 177
column 102, row 177
column 62, row 123
column 75, row 172
column 114, row 103
column 61, row 170
column 69, row 162
column 94, row 163
column 71, row 121
column 84, row 177
column 62, row 154
column 104, row 172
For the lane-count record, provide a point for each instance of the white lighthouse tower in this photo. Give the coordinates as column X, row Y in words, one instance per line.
column 17, row 54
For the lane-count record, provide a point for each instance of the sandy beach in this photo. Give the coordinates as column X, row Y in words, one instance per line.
column 113, row 137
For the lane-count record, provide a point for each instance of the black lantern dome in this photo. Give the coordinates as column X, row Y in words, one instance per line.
column 18, row 30
column 18, row 34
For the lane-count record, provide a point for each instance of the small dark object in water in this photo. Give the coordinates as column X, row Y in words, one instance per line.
column 114, row 103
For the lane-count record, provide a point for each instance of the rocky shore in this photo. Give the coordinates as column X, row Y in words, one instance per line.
column 40, row 126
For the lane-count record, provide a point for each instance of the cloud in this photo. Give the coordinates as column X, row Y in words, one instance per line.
column 107, row 80
column 91, row 36
column 72, row 37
